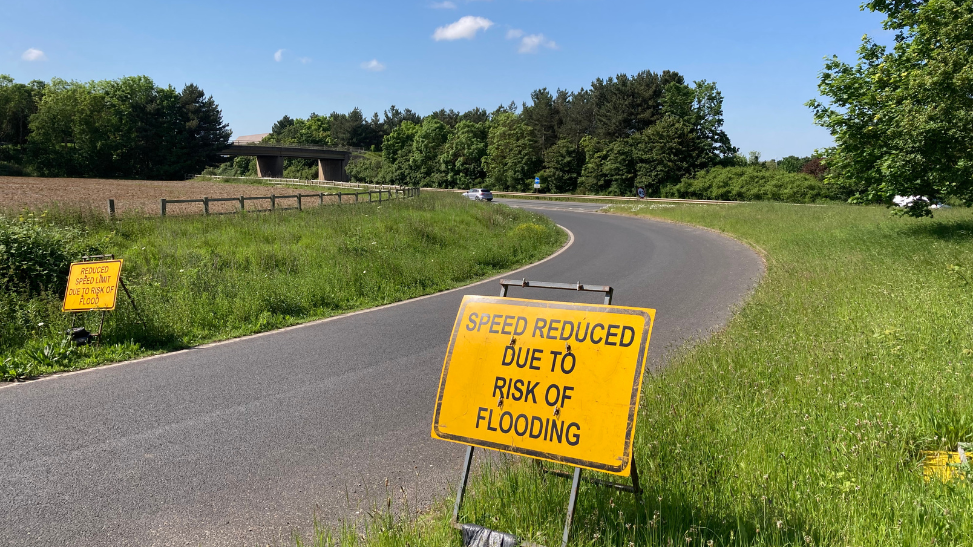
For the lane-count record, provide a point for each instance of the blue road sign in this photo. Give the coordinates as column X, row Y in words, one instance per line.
column 537, row 182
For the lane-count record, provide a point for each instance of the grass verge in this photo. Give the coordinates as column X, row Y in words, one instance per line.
column 199, row 279
column 803, row 422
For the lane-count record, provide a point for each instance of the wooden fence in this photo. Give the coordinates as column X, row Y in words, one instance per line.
column 376, row 196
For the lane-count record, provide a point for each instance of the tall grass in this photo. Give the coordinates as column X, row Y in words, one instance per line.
column 803, row 421
column 197, row 279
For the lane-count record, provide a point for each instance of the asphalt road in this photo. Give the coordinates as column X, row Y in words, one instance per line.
column 243, row 442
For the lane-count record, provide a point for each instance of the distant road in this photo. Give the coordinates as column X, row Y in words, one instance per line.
column 244, row 441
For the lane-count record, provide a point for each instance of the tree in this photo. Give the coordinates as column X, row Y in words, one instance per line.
column 461, row 160
column 426, row 149
column 511, row 162
column 562, row 167
column 902, row 120
column 792, row 164
column 125, row 128
column 664, row 154
column 542, row 117
column 396, row 153
column 18, row 102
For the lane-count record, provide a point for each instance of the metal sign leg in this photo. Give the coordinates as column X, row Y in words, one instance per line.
column 571, row 502
column 462, row 483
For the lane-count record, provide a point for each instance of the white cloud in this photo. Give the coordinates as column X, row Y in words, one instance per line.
column 279, row 55
column 34, row 55
column 443, row 5
column 466, row 27
column 514, row 33
column 304, row 60
column 373, row 66
column 532, row 42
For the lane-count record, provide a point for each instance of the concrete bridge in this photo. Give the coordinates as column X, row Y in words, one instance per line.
column 270, row 158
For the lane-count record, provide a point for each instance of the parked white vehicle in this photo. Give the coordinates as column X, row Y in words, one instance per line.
column 479, row 194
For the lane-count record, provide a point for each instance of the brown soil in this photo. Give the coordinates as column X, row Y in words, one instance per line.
column 143, row 196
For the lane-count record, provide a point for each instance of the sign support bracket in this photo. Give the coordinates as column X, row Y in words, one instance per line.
column 576, row 478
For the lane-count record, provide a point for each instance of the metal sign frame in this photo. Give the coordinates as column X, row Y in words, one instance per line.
column 634, row 488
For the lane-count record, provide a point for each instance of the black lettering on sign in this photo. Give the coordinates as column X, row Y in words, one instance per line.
column 539, row 327
column 578, row 332
column 517, row 429
column 484, row 319
column 612, row 333
column 495, row 324
column 557, row 395
column 498, row 385
column 526, row 357
column 518, row 389
column 631, row 337
column 534, row 358
column 508, row 324
column 534, row 420
column 472, row 325
column 552, row 329
column 534, row 427
column 520, row 326
column 510, row 424
column 508, row 356
column 564, row 360
column 564, row 327
column 573, row 439
column 530, row 391
column 593, row 329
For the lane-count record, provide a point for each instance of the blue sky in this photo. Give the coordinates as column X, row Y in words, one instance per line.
column 261, row 60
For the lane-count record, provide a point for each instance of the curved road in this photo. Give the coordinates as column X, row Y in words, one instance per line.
column 245, row 441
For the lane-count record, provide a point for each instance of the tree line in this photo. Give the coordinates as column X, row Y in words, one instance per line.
column 124, row 128
column 649, row 130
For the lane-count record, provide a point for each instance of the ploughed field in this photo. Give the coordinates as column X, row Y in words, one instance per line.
column 139, row 196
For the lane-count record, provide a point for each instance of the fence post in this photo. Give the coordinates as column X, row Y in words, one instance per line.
column 111, row 208
column 162, row 206
column 356, row 197
column 369, row 196
column 380, row 197
column 273, row 202
column 320, row 198
column 205, row 205
column 339, row 198
column 299, row 206
column 242, row 205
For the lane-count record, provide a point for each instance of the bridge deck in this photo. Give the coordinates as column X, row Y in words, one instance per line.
column 286, row 151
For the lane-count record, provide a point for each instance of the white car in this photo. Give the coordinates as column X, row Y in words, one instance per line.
column 479, row 194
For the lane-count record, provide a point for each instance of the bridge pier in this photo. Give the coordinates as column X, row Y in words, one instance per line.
column 271, row 167
column 333, row 170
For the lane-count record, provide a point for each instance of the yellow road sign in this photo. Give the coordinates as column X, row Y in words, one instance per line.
column 550, row 380
column 92, row 285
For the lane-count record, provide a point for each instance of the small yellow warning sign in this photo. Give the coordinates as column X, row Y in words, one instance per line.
column 551, row 380
column 92, row 285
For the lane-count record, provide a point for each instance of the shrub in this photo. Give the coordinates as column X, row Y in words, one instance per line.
column 753, row 184
column 35, row 255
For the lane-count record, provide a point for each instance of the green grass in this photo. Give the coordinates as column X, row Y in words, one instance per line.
column 198, row 279
column 803, row 421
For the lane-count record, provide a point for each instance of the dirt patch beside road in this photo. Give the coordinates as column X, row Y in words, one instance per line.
column 140, row 196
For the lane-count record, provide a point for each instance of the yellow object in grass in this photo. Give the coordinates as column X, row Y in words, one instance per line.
column 941, row 464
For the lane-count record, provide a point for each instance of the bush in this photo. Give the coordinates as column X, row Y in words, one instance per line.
column 753, row 184
column 35, row 255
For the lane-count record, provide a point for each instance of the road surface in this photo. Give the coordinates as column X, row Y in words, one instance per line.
column 246, row 441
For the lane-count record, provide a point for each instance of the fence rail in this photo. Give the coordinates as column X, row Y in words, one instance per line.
column 304, row 182
column 376, row 196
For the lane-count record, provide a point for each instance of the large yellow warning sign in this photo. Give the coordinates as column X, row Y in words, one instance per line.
column 550, row 380
column 92, row 285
